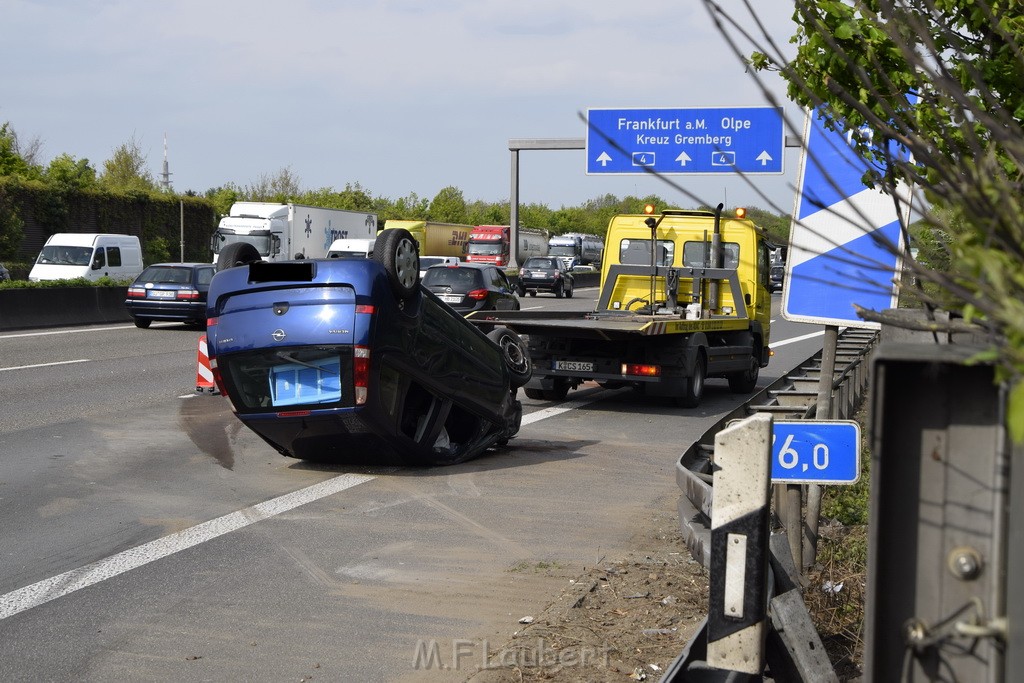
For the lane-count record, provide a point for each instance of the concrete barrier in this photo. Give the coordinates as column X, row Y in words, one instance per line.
column 58, row 306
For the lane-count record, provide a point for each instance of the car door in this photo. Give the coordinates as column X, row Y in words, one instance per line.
column 499, row 281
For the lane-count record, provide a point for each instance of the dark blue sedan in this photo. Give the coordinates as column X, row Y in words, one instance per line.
column 173, row 292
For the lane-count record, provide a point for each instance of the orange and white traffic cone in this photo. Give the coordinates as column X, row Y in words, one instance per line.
column 204, row 374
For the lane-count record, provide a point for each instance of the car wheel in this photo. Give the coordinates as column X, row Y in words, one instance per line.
column 521, row 290
column 746, row 381
column 568, row 292
column 559, row 290
column 535, row 394
column 515, row 355
column 533, row 292
column 237, row 254
column 142, row 323
column 694, row 385
column 397, row 251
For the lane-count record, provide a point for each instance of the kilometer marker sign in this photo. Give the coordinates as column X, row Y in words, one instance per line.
column 706, row 140
column 815, row 452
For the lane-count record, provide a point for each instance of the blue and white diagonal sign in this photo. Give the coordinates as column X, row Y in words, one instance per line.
column 704, row 140
column 845, row 243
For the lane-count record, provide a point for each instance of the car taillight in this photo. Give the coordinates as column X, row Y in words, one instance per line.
column 136, row 292
column 478, row 294
column 187, row 294
column 361, row 372
column 210, row 322
column 638, row 369
column 217, row 378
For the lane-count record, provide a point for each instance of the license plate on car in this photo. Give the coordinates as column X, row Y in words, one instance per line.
column 574, row 365
column 451, row 299
column 161, row 294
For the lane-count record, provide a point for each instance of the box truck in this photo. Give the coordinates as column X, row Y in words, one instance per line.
column 436, row 239
column 282, row 232
column 89, row 255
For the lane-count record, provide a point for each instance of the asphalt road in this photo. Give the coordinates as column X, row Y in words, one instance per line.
column 147, row 535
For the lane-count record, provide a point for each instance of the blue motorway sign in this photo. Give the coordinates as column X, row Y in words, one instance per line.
column 815, row 452
column 706, row 140
column 845, row 243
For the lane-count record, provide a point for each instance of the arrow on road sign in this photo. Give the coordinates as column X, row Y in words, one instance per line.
column 683, row 158
column 604, row 158
column 764, row 157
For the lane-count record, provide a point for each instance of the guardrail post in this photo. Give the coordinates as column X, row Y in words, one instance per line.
column 737, row 615
column 941, row 534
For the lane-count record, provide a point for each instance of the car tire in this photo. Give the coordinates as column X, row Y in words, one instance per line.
column 559, row 290
column 237, row 254
column 142, row 323
column 515, row 355
column 521, row 290
column 694, row 385
column 397, row 251
column 568, row 292
column 746, row 381
column 535, row 394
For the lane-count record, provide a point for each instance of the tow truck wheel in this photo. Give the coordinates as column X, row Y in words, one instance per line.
column 694, row 385
column 559, row 391
column 237, row 254
column 746, row 381
column 397, row 251
column 515, row 355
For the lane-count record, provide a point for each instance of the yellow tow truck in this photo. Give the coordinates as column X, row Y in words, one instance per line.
column 684, row 296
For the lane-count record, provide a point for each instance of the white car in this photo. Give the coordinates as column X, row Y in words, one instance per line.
column 428, row 261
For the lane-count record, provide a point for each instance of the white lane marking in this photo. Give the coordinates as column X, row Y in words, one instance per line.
column 44, row 365
column 78, row 330
column 49, row 589
column 561, row 408
column 793, row 340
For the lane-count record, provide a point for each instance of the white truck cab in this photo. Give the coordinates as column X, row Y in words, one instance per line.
column 352, row 248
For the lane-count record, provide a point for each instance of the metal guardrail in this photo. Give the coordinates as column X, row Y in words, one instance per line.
column 791, row 397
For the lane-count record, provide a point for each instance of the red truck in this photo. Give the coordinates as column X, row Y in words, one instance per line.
column 491, row 244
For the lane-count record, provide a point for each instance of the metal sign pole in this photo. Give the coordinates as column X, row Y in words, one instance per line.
column 824, row 412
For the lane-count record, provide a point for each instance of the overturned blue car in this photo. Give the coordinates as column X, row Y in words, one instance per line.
column 336, row 359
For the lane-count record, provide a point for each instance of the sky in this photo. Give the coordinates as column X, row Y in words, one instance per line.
column 399, row 96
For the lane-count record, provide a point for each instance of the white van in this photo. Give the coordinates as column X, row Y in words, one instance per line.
column 70, row 255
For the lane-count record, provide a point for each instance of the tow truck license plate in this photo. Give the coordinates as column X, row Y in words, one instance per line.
column 574, row 366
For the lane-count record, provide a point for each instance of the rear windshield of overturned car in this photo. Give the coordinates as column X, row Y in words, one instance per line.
column 300, row 377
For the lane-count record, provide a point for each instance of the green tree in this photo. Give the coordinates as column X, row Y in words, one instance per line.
column 126, row 169
column 448, row 206
column 942, row 79
column 69, row 173
column 13, row 161
column 11, row 225
column 223, row 197
column 282, row 188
